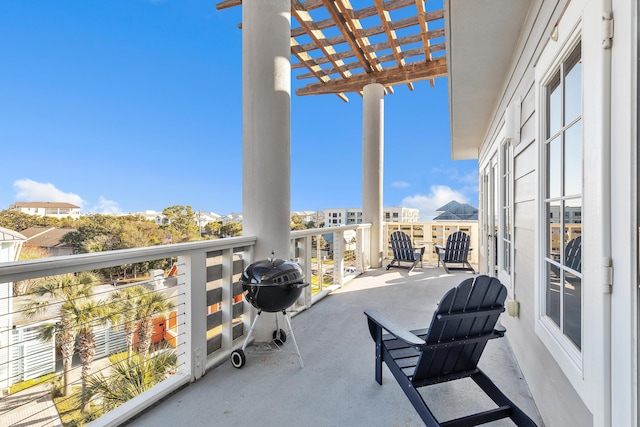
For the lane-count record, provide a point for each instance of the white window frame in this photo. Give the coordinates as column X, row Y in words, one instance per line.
column 505, row 203
column 564, row 352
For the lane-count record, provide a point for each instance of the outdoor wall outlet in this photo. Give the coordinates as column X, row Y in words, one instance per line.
column 513, row 308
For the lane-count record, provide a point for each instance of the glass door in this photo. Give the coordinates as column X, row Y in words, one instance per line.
column 489, row 219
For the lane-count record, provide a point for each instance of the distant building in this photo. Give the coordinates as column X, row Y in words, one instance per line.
column 49, row 239
column 203, row 218
column 50, row 209
column 158, row 217
column 455, row 211
column 308, row 216
column 349, row 216
column 232, row 217
column 400, row 214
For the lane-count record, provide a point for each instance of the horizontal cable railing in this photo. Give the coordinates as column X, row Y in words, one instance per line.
column 163, row 314
column 71, row 315
column 328, row 256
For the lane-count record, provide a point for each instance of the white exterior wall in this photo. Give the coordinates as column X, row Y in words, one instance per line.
column 52, row 212
column 337, row 217
column 8, row 252
column 601, row 387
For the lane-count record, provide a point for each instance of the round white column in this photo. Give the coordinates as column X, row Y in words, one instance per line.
column 266, row 116
column 372, row 166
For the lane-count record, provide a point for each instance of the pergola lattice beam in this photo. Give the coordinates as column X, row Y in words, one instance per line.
column 412, row 72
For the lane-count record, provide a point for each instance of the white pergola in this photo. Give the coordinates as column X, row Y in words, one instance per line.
column 363, row 46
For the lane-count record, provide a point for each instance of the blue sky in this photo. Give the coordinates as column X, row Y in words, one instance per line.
column 130, row 105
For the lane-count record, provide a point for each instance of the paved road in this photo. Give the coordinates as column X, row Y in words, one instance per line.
column 32, row 407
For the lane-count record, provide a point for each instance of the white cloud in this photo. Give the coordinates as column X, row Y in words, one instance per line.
column 439, row 196
column 107, row 207
column 28, row 190
column 400, row 184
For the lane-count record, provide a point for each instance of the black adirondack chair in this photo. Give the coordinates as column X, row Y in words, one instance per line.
column 448, row 350
column 573, row 254
column 456, row 251
column 403, row 251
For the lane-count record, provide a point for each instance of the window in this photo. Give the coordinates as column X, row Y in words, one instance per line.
column 563, row 198
column 506, row 208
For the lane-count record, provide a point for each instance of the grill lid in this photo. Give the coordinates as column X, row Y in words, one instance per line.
column 272, row 272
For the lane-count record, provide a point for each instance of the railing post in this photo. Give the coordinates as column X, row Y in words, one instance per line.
column 303, row 247
column 359, row 250
column 227, row 299
column 319, row 261
column 338, row 257
column 194, row 300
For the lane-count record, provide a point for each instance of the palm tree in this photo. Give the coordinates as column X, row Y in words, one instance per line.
column 124, row 309
column 131, row 377
column 65, row 291
column 86, row 314
column 150, row 305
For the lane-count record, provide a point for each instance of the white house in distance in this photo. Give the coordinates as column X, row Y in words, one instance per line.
column 51, row 209
column 49, row 239
column 150, row 215
column 10, row 244
column 335, row 217
column 545, row 95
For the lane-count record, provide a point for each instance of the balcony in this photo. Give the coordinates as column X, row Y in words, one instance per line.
column 336, row 385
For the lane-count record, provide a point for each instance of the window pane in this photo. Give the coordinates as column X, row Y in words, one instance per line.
column 572, row 218
column 554, row 106
column 573, row 160
column 507, row 224
column 507, row 256
column 554, row 167
column 573, row 234
column 553, row 293
column 554, row 239
column 572, row 307
column 573, row 87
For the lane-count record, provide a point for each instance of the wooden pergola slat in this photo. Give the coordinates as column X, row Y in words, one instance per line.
column 347, row 48
column 395, row 76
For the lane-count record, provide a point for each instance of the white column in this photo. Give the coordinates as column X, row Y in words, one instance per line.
column 266, row 115
column 372, row 166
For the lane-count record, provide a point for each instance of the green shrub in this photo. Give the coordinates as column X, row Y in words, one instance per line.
column 30, row 383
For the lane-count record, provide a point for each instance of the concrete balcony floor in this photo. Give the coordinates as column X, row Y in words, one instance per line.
column 336, row 387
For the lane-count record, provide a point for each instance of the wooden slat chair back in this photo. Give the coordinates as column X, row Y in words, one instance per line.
column 456, row 251
column 449, row 349
column 573, row 254
column 469, row 310
column 403, row 251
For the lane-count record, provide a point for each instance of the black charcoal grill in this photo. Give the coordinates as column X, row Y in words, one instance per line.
column 272, row 286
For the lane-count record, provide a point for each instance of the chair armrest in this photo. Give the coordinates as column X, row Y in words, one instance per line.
column 379, row 320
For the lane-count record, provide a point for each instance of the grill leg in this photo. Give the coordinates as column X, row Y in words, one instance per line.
column 293, row 337
column 253, row 326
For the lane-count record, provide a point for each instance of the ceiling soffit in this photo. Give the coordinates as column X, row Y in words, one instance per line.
column 481, row 38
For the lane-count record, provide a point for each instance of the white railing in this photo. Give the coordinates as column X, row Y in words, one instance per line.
column 345, row 257
column 209, row 318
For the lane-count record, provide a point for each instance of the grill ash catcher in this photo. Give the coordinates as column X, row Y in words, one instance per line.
column 272, row 286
